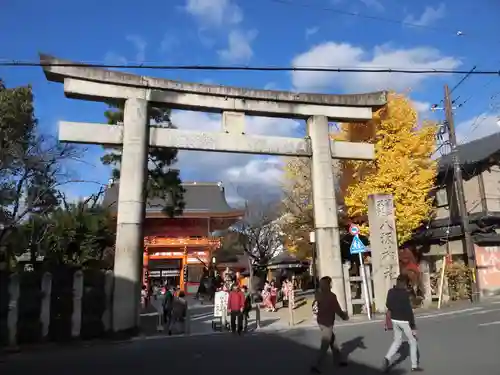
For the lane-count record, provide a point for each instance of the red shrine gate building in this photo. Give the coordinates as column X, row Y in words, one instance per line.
column 178, row 249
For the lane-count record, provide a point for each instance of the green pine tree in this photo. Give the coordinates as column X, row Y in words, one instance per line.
column 163, row 180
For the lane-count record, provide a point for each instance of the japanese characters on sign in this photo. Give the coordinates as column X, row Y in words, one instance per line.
column 384, row 207
column 488, row 263
column 384, row 245
column 220, row 304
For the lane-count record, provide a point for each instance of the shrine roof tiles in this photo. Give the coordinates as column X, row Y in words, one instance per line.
column 199, row 198
column 472, row 153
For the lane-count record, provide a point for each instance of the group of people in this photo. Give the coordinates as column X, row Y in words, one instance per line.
column 213, row 281
column 270, row 294
column 239, row 305
column 172, row 309
column 171, row 305
column 399, row 318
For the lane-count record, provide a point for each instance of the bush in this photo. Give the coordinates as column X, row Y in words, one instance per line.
column 459, row 280
column 93, row 304
column 61, row 303
column 435, row 284
column 29, row 306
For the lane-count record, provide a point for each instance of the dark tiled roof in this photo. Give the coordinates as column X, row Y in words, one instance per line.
column 473, row 152
column 198, row 198
column 284, row 258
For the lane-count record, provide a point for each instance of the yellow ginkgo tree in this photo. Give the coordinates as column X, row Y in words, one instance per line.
column 298, row 218
column 403, row 165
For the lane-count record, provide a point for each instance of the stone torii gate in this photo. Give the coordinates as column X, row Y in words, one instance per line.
column 88, row 83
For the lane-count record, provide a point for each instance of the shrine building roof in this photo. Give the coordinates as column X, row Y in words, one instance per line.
column 472, row 153
column 200, row 199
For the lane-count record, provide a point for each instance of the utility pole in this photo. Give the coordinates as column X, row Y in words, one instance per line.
column 459, row 190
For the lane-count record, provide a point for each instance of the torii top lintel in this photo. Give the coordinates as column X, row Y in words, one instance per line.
column 56, row 70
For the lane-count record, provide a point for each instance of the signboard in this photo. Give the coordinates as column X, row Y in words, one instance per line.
column 357, row 246
column 312, row 237
column 167, row 273
column 354, row 230
column 154, row 273
column 220, row 304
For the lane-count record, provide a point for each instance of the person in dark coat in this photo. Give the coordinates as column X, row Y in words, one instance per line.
column 402, row 322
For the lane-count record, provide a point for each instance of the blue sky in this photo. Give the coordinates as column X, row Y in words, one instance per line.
column 257, row 32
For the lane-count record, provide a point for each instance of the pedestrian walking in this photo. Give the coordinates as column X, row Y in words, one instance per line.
column 235, row 306
column 158, row 303
column 325, row 307
column 178, row 318
column 168, row 303
column 400, row 316
column 247, row 307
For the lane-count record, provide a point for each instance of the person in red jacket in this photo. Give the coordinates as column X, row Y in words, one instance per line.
column 235, row 306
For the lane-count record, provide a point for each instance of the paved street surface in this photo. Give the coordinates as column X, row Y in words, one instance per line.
column 451, row 341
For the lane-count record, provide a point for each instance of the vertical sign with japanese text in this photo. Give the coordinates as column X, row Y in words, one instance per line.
column 383, row 244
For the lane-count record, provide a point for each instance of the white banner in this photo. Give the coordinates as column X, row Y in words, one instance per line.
column 220, row 304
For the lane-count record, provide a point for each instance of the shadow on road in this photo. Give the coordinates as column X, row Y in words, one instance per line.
column 404, row 353
column 248, row 354
column 252, row 326
column 351, row 346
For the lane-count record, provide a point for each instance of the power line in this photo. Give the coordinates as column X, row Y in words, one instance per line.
column 475, row 124
column 462, row 80
column 18, row 64
column 458, row 33
column 490, row 81
column 457, row 85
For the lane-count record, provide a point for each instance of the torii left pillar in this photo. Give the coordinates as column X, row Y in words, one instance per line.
column 130, row 220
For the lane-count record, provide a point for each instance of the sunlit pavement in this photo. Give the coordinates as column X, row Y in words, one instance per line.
column 452, row 341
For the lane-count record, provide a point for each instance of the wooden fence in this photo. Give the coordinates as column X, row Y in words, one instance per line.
column 355, row 283
column 54, row 306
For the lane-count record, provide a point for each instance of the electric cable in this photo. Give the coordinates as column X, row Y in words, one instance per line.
column 20, row 63
column 454, row 32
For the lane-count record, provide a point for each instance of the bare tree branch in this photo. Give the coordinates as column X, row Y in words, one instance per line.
column 259, row 233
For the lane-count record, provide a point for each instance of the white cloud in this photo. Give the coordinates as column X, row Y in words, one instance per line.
column 140, row 45
column 271, row 86
column 428, row 17
column 343, row 55
column 478, row 127
column 205, row 39
column 239, row 49
column 214, row 12
column 310, row 31
column 113, row 58
column 373, row 4
column 421, row 107
column 258, row 171
column 168, row 42
column 234, row 170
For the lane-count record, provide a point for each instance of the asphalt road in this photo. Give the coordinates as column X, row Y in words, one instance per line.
column 455, row 342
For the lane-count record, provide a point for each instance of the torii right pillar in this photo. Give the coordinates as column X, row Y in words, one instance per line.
column 383, row 246
column 325, row 206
